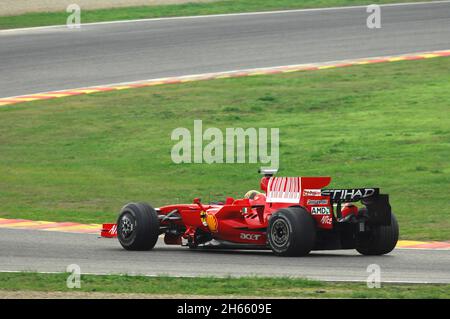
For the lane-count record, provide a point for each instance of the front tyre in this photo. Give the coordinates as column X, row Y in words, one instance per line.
column 138, row 227
column 381, row 239
column 291, row 232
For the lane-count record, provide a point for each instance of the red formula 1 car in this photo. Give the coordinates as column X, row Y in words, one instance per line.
column 291, row 216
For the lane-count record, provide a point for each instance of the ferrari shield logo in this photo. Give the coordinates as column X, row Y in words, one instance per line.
column 203, row 218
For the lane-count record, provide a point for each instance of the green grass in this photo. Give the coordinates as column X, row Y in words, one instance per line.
column 82, row 158
column 142, row 12
column 246, row 286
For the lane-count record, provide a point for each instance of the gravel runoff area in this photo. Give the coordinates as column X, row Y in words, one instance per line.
column 14, row 7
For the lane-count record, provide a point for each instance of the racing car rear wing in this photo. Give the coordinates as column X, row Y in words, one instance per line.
column 350, row 195
column 378, row 207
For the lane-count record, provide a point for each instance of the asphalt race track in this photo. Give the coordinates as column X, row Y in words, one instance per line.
column 40, row 60
column 34, row 250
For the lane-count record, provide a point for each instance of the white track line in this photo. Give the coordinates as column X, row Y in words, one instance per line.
column 226, row 15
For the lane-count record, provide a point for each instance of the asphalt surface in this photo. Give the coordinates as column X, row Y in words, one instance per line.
column 33, row 61
column 33, row 250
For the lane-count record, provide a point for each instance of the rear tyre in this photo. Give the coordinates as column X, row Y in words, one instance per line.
column 138, row 227
column 291, row 232
column 381, row 239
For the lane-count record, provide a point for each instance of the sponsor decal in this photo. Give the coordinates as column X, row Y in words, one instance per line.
column 213, row 225
column 317, row 202
column 326, row 220
column 320, row 210
column 312, row 192
column 247, row 236
column 284, row 190
column 348, row 195
column 113, row 230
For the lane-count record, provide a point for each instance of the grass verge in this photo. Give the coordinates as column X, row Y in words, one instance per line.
column 82, row 158
column 189, row 9
column 206, row 286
